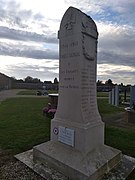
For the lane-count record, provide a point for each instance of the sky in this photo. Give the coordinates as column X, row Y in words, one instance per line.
column 29, row 45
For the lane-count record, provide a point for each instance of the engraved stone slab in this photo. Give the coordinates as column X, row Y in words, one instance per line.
column 77, row 72
column 66, row 136
column 77, row 122
column 132, row 95
column 117, row 95
column 77, row 104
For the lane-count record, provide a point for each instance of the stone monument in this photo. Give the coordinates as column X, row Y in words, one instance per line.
column 113, row 96
column 117, row 96
column 132, row 96
column 110, row 97
column 77, row 148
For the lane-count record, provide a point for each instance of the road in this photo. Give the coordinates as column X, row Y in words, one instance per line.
column 8, row 93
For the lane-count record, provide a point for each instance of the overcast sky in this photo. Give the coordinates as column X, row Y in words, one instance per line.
column 29, row 44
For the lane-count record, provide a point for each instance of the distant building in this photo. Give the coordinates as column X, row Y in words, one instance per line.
column 104, row 88
column 5, row 82
column 44, row 86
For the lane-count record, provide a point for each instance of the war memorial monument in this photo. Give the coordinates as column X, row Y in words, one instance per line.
column 76, row 148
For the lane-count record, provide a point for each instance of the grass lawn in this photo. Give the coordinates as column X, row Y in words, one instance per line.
column 122, row 139
column 106, row 109
column 22, row 125
column 102, row 94
column 27, row 92
column 33, row 92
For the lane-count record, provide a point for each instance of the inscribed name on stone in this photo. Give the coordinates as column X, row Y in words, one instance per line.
column 77, row 71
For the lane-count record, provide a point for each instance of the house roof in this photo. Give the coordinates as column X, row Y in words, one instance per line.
column 1, row 74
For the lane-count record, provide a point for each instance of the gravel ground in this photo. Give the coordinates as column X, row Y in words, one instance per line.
column 12, row 169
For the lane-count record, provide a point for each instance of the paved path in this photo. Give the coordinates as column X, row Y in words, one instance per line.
column 8, row 93
column 13, row 93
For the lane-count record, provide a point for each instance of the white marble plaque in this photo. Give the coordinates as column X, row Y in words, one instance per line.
column 66, row 136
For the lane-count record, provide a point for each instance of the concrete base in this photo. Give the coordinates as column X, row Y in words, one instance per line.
column 73, row 163
column 82, row 132
column 121, row 171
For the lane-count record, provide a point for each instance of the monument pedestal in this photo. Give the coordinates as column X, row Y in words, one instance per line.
column 75, row 164
column 84, row 137
column 77, row 145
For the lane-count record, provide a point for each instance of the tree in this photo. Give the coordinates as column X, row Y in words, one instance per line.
column 28, row 79
column 56, row 81
column 109, row 82
column 99, row 83
column 13, row 79
column 47, row 82
column 20, row 81
column 36, row 80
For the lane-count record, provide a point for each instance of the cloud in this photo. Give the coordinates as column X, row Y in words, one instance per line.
column 11, row 14
column 113, row 58
column 116, row 44
column 35, row 71
column 29, row 30
column 20, row 68
column 19, row 50
column 19, row 35
column 118, row 74
column 15, row 17
column 122, row 11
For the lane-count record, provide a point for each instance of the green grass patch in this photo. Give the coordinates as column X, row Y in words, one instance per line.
column 22, row 124
column 107, row 109
column 102, row 94
column 122, row 94
column 122, row 139
column 27, row 92
column 52, row 91
column 34, row 92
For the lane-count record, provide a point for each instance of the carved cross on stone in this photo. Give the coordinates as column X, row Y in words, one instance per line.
column 70, row 22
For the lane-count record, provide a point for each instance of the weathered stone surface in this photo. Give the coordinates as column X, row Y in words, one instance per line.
column 74, row 164
column 77, row 132
column 121, row 171
column 117, row 99
column 77, row 104
column 132, row 96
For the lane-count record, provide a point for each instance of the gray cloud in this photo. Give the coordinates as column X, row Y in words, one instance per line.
column 19, row 35
column 11, row 12
column 122, row 11
column 39, row 54
column 33, row 71
column 9, row 49
column 106, row 57
column 118, row 76
column 117, row 47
